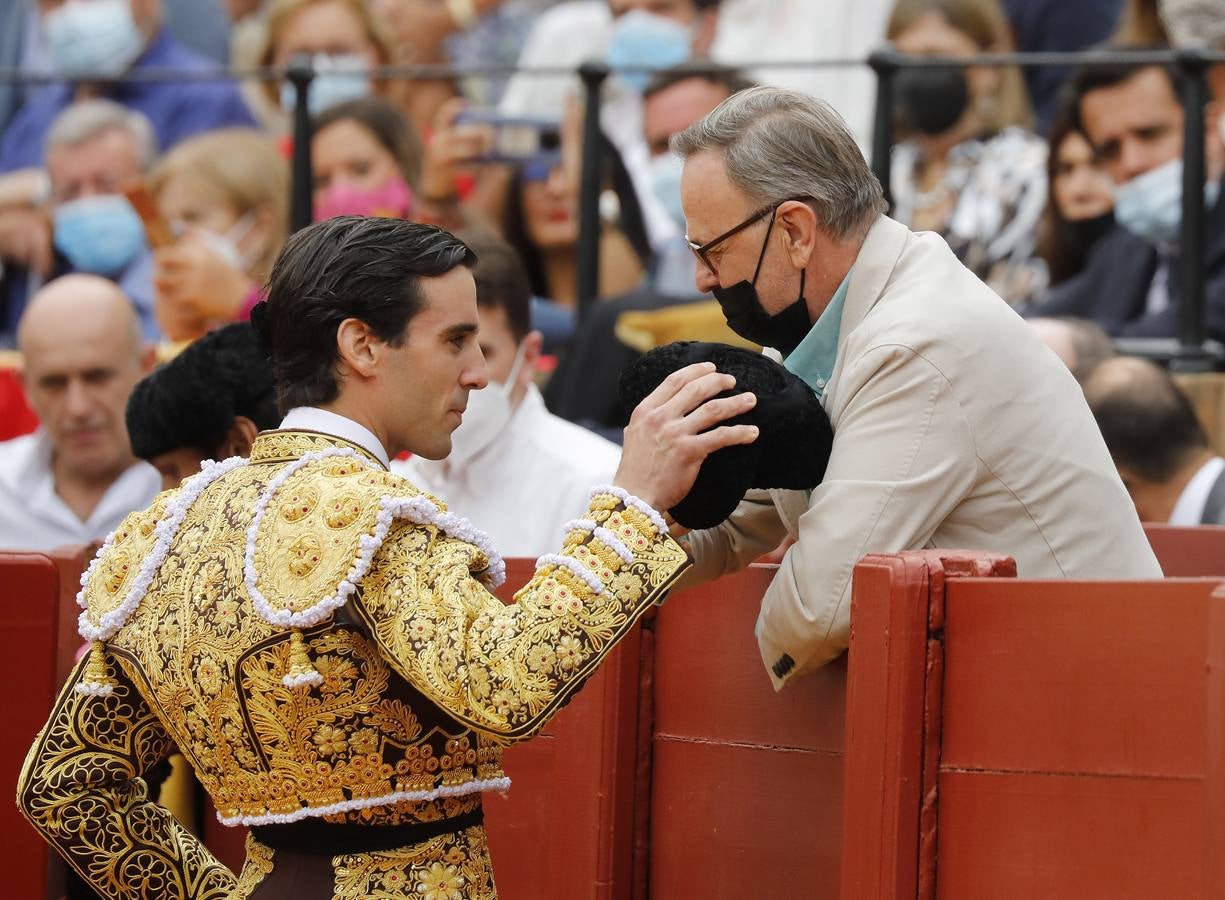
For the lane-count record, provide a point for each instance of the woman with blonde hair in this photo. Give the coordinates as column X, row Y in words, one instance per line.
column 224, row 195
column 968, row 168
column 344, row 40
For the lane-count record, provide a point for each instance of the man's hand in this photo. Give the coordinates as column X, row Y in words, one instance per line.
column 195, row 289
column 667, row 439
column 25, row 239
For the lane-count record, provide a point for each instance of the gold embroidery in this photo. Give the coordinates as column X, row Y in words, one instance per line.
column 258, row 865
column 81, row 788
column 452, row 867
column 424, row 675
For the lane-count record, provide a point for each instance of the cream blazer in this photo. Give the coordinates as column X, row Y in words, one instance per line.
column 954, row 426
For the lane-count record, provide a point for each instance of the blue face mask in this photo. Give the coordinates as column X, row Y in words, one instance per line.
column 665, row 171
column 643, row 39
column 338, row 79
column 88, row 37
column 99, row 235
column 1150, row 205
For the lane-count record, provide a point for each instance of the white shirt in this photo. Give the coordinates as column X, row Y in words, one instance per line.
column 312, row 418
column 1189, row 510
column 34, row 517
column 535, row 476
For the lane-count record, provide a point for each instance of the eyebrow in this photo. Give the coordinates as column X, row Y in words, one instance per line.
column 461, row 330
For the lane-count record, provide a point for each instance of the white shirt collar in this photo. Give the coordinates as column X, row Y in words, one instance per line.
column 1189, row 510
column 312, row 418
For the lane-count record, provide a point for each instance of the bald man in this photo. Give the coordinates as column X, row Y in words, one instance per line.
column 1157, row 443
column 75, row 478
column 1079, row 343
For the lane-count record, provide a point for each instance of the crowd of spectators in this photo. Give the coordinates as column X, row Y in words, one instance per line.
column 135, row 172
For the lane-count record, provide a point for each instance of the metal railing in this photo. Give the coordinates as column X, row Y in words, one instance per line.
column 1192, row 352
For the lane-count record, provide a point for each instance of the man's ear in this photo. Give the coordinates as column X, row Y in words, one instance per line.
column 533, row 344
column 238, row 439
column 358, row 348
column 798, row 224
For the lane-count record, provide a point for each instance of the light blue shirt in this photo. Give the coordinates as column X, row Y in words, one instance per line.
column 813, row 360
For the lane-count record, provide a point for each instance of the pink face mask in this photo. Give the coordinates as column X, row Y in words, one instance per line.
column 393, row 199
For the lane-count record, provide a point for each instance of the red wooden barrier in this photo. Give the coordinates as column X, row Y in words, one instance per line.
column 1188, row 552
column 746, row 788
column 565, row 828
column 1084, row 740
column 29, row 584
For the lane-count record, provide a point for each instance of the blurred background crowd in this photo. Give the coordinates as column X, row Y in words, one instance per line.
column 140, row 210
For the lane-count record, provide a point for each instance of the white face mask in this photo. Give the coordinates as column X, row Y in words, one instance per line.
column 1150, row 205
column 665, row 172
column 488, row 412
column 98, row 37
column 225, row 244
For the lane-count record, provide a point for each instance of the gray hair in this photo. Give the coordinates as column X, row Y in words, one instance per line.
column 87, row 119
column 779, row 144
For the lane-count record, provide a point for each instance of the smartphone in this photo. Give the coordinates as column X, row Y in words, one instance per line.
column 516, row 139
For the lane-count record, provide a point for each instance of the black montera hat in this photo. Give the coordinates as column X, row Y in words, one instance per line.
column 192, row 400
column 791, row 451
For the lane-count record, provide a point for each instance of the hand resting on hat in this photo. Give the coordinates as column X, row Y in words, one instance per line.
column 795, row 434
column 675, row 428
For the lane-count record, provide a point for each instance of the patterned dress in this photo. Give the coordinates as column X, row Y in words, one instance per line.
column 318, row 639
column 988, row 206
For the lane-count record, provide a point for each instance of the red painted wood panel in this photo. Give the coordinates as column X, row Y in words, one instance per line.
column 1076, row 677
column 1084, row 750
column 1014, row 836
column 732, row 822
column 1188, row 552
column 745, row 783
column 710, row 680
column 565, row 828
column 29, row 587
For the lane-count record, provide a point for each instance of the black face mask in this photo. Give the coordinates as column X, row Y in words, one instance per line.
column 1080, row 236
column 931, row 101
column 745, row 315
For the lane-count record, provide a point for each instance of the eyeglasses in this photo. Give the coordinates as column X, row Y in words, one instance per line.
column 702, row 251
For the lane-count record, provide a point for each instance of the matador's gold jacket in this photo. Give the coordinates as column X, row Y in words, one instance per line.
column 316, row 636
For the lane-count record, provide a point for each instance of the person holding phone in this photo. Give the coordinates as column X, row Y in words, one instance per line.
column 224, row 197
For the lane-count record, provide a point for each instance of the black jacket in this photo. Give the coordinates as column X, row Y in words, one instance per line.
column 1113, row 288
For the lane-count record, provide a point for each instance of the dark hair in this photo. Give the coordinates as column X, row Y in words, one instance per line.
column 344, row 268
column 732, row 80
column 386, row 124
column 501, row 280
column 1092, row 78
column 631, row 223
column 193, row 400
column 1146, row 420
column 1064, row 258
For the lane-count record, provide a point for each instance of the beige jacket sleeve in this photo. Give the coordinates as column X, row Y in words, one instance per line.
column 903, row 458
column 751, row 531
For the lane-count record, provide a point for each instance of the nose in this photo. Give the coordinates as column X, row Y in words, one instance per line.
column 1133, row 161
column 77, row 401
column 476, row 374
column 703, row 278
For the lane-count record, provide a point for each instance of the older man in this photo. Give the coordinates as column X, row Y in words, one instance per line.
column 73, row 480
column 93, row 148
column 953, row 425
